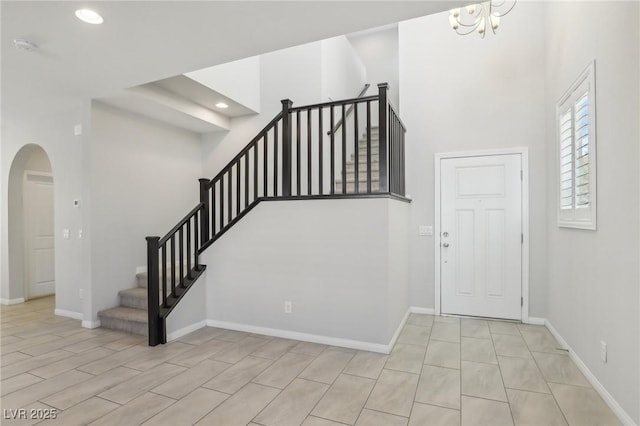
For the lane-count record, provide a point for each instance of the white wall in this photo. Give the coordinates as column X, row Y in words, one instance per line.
column 55, row 135
column 333, row 259
column 290, row 73
column 378, row 51
column 343, row 73
column 144, row 179
column 191, row 312
column 593, row 276
column 466, row 93
column 306, row 74
column 238, row 80
column 399, row 214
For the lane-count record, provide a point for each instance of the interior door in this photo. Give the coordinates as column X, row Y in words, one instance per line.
column 39, row 235
column 481, row 236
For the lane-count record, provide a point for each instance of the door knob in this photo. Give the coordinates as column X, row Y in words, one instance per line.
column 445, row 244
column 445, row 234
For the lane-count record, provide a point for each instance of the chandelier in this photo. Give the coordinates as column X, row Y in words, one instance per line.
column 476, row 17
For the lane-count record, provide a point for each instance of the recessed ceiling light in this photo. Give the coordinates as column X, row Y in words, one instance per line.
column 89, row 16
column 222, row 105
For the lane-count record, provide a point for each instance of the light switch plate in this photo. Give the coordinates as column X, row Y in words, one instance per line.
column 424, row 230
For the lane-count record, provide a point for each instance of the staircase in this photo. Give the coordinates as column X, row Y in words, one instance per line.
column 264, row 170
column 131, row 316
column 362, row 166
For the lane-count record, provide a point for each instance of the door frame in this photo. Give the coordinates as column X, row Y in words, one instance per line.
column 524, row 155
column 27, row 230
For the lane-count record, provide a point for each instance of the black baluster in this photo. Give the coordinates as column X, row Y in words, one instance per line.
column 309, row 152
column 383, row 106
column 344, row 151
column 332, row 152
column 298, row 153
column 368, row 146
column 173, row 264
column 265, row 165
column 357, row 146
column 320, row 152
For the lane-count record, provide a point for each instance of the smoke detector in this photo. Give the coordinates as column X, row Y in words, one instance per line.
column 23, row 44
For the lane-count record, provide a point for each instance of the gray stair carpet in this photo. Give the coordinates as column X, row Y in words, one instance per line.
column 131, row 315
column 362, row 167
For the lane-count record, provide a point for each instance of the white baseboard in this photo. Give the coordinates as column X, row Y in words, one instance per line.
column 305, row 337
column 424, row 311
column 91, row 324
column 68, row 314
column 12, row 301
column 606, row 396
column 392, row 343
column 141, row 270
column 535, row 321
column 186, row 330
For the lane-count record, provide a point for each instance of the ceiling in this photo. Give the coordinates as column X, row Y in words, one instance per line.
column 181, row 102
column 147, row 41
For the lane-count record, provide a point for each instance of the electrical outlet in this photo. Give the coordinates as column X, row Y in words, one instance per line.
column 79, row 234
column 66, row 234
column 287, row 306
column 603, row 351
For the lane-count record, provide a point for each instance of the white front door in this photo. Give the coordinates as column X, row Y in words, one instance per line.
column 39, row 236
column 481, row 231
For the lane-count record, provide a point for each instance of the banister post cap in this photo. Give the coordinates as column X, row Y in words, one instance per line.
column 383, row 85
column 287, row 102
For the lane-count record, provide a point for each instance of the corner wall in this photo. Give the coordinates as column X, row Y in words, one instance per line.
column 56, row 136
column 594, row 276
column 464, row 93
column 144, row 179
column 333, row 259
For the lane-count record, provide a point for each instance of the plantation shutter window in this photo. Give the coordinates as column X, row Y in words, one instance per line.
column 575, row 114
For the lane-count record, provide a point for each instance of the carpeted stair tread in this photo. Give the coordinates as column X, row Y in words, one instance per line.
column 134, row 298
column 126, row 314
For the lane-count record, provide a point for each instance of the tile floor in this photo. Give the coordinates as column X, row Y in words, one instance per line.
column 443, row 371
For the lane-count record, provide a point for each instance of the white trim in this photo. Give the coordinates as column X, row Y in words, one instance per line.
column 524, row 159
column 314, row 338
column 579, row 219
column 68, row 314
column 617, row 409
column 91, row 324
column 395, row 336
column 424, row 311
column 26, row 234
column 12, row 301
column 186, row 330
column 535, row 321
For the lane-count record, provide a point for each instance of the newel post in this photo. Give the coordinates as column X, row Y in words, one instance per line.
column 286, row 147
column 157, row 333
column 383, row 119
column 204, row 216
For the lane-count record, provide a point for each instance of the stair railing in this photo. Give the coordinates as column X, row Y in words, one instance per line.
column 300, row 154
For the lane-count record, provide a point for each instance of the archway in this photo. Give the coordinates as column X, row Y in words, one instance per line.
column 31, row 225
